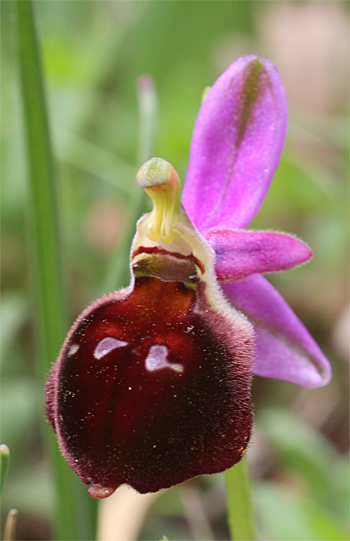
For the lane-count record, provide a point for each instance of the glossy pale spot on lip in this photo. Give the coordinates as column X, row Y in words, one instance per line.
column 157, row 359
column 107, row 345
column 72, row 350
column 98, row 491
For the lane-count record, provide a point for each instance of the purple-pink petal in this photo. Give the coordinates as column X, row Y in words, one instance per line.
column 240, row 253
column 236, row 145
column 285, row 349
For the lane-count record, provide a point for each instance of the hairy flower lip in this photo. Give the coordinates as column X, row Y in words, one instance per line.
column 218, row 416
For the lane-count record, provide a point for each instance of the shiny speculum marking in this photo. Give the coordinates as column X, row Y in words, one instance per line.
column 72, row 350
column 157, row 359
column 107, row 345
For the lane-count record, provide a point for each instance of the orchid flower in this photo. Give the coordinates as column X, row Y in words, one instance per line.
column 152, row 385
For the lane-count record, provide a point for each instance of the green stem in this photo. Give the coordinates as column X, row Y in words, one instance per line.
column 119, row 274
column 148, row 105
column 4, row 464
column 45, row 249
column 239, row 503
column 96, row 162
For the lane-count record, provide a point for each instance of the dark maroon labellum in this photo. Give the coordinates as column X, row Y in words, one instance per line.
column 152, row 387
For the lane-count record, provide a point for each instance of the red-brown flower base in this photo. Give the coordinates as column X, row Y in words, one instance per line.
column 151, row 388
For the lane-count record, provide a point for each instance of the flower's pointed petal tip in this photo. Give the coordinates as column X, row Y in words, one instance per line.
column 240, row 253
column 285, row 349
column 320, row 379
column 236, row 145
column 298, row 369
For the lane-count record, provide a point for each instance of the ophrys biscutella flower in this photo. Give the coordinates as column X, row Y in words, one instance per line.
column 152, row 385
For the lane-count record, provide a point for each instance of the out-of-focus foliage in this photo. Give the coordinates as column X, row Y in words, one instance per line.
column 93, row 54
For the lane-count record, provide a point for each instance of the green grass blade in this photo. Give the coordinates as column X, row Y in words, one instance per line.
column 51, row 319
column 239, row 503
column 118, row 274
column 148, row 107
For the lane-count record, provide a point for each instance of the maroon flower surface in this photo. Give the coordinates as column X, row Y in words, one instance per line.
column 152, row 385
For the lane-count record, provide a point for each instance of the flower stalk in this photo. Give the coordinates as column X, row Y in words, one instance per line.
column 118, row 273
column 4, row 464
column 240, row 511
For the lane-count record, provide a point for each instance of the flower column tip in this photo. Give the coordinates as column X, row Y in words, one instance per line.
column 161, row 182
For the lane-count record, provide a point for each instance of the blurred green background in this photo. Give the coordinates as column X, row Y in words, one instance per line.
column 93, row 53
